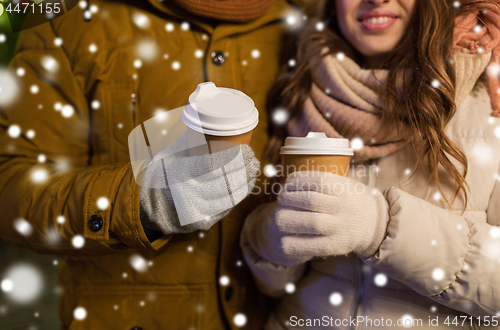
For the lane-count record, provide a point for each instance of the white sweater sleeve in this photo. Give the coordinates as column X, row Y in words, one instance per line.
column 271, row 279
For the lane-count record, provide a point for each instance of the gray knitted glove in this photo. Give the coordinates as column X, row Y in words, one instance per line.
column 182, row 193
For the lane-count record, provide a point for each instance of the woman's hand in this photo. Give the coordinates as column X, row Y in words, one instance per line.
column 326, row 214
column 318, row 215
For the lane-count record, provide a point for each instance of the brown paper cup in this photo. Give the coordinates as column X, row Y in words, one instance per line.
column 336, row 164
column 205, row 143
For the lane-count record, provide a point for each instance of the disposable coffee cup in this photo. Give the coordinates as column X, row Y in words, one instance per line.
column 218, row 118
column 316, row 152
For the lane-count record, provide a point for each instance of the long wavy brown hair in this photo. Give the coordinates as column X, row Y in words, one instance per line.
column 425, row 49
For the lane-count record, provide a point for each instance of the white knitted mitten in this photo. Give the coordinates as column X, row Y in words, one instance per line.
column 319, row 215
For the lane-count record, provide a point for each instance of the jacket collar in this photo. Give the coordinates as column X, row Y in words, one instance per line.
column 278, row 11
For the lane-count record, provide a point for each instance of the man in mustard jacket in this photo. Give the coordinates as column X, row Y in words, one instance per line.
column 74, row 91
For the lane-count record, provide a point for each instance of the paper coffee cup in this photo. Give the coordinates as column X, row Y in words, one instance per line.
column 316, row 152
column 219, row 118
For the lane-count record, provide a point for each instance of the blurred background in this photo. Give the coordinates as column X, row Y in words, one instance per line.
column 28, row 296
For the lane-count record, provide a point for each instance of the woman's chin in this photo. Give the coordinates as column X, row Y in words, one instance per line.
column 374, row 50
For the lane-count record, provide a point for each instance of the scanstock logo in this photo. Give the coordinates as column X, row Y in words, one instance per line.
column 25, row 14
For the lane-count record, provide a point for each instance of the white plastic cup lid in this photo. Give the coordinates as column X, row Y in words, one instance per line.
column 220, row 111
column 316, row 143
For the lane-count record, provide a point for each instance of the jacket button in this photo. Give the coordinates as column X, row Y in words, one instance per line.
column 119, row 246
column 229, row 293
column 218, row 57
column 95, row 222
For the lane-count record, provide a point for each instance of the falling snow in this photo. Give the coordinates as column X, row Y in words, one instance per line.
column 185, row 26
column 497, row 132
column 270, row 170
column 87, row 15
column 290, row 288
column 49, row 63
column 92, row 48
column 493, row 70
column 438, row 274
column 291, row 20
column 41, row 158
column 224, row 280
column 435, row 83
column 280, row 116
column 495, row 232
column 340, row 56
column 58, row 42
column 255, row 53
column 39, row 175
column 20, row 72
column 141, row 20
column 138, row 263
column 407, row 320
column 14, row 131
column 335, row 299
column 482, row 153
column 147, row 51
column 380, row 279
column 23, row 227
column 80, row 313
column 7, row 285
column 67, row 111
column 24, row 283
column 34, row 89
column 169, row 27
column 78, row 241
column 357, row 143
column 103, row 203
column 176, row 65
column 320, row 26
column 240, row 319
